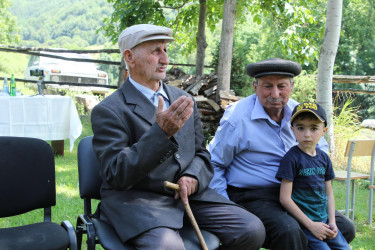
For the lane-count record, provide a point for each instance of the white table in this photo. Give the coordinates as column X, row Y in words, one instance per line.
column 49, row 117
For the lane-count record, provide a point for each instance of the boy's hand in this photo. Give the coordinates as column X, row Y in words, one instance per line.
column 321, row 230
column 334, row 230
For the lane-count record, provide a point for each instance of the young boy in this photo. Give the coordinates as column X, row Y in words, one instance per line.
column 306, row 173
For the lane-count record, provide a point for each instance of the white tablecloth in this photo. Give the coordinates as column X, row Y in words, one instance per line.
column 49, row 117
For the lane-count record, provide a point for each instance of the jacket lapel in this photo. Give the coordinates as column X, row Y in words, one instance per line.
column 141, row 105
column 172, row 94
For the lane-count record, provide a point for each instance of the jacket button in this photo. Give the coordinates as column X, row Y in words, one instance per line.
column 177, row 156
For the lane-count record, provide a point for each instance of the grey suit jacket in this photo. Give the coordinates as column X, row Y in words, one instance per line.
column 136, row 157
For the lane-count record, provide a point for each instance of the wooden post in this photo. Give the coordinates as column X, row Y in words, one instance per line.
column 58, row 147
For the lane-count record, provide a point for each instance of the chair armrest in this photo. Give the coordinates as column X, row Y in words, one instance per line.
column 85, row 226
column 71, row 233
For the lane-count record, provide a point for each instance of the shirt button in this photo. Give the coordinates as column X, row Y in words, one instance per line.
column 177, row 156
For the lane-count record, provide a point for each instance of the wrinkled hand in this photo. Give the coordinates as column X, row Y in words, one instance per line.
column 188, row 186
column 334, row 230
column 320, row 230
column 173, row 118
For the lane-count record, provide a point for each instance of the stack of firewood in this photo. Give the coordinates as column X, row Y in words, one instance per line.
column 203, row 89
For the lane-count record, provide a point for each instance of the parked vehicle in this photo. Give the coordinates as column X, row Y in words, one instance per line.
column 60, row 70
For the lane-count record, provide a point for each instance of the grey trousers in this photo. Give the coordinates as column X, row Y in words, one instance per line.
column 235, row 227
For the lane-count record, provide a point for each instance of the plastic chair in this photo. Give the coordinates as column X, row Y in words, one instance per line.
column 356, row 148
column 27, row 183
column 100, row 232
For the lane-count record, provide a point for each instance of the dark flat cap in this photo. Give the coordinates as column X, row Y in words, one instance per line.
column 273, row 66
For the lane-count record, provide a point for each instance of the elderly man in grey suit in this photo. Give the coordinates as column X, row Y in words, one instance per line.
column 148, row 132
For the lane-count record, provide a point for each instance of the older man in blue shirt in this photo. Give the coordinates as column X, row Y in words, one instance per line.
column 253, row 136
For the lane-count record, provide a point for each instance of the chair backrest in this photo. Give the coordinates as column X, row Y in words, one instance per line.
column 27, row 175
column 88, row 170
column 364, row 147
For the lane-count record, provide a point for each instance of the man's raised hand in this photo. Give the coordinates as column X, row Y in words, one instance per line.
column 173, row 118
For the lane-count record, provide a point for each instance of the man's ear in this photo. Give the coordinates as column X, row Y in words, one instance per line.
column 128, row 57
column 255, row 85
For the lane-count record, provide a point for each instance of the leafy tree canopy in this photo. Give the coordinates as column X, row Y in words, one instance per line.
column 297, row 24
column 8, row 25
column 55, row 23
column 356, row 51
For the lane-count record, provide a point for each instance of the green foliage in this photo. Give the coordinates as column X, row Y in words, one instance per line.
column 356, row 52
column 346, row 118
column 13, row 63
column 346, row 126
column 240, row 82
column 364, row 102
column 8, row 25
column 304, row 88
column 296, row 24
column 296, row 27
column 68, row 24
column 180, row 15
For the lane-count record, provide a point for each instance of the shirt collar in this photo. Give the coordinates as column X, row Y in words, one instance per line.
column 260, row 113
column 149, row 93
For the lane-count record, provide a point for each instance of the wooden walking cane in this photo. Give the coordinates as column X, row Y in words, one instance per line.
column 189, row 213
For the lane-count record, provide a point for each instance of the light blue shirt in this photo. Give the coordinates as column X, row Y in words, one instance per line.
column 152, row 95
column 248, row 146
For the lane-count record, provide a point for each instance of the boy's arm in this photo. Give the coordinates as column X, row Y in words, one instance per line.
column 318, row 229
column 331, row 209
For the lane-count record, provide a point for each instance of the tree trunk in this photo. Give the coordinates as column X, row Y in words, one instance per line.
column 226, row 46
column 201, row 38
column 326, row 61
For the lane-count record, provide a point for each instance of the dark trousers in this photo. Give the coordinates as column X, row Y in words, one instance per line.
column 236, row 228
column 282, row 230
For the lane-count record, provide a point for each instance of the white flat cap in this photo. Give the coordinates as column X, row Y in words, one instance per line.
column 139, row 33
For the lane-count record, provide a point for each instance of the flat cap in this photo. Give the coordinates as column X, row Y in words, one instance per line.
column 273, row 66
column 139, row 33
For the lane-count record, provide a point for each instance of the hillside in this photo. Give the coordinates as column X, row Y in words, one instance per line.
column 61, row 23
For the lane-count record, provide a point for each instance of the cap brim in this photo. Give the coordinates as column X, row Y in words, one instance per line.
column 167, row 39
column 273, row 73
column 306, row 110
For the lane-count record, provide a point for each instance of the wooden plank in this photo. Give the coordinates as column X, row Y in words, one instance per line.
column 214, row 105
column 200, row 98
column 353, row 79
column 176, row 83
column 357, row 91
column 371, row 187
column 342, row 175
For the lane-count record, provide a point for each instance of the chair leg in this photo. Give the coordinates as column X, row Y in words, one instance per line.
column 347, row 197
column 90, row 237
column 79, row 232
column 371, row 198
column 353, row 200
column 369, row 221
